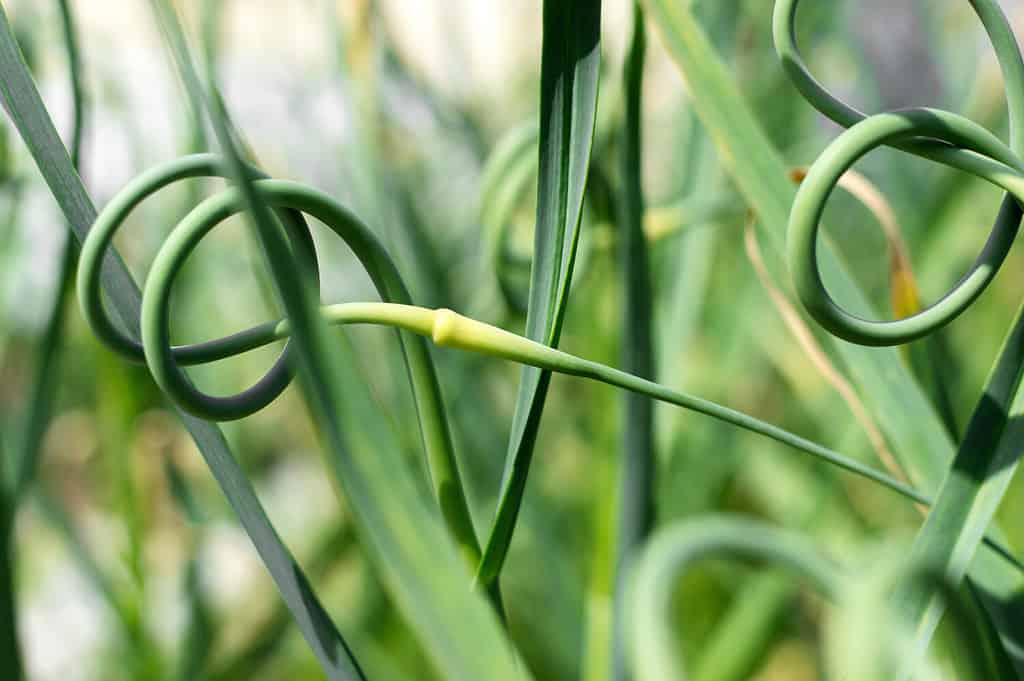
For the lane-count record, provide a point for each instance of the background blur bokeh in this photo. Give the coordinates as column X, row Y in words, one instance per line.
column 394, row 107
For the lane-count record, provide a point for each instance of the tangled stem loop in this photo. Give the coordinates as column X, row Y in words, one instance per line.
column 939, row 136
column 290, row 200
column 155, row 348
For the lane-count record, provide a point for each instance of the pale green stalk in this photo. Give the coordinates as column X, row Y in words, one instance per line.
column 450, row 329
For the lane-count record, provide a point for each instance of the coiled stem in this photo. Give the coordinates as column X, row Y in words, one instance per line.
column 290, row 199
column 939, row 136
column 444, row 327
column 977, row 478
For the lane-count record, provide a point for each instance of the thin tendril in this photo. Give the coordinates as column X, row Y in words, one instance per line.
column 936, row 135
column 444, row 327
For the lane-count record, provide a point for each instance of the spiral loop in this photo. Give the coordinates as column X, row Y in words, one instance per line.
column 676, row 549
column 251, row 400
column 852, row 639
column 939, row 136
column 290, row 200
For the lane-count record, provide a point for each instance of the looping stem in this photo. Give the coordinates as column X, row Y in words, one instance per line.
column 291, row 200
column 939, row 136
column 444, row 327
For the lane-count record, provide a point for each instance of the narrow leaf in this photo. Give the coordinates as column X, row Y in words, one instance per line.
column 23, row 104
column 918, row 437
column 568, row 107
column 637, row 458
column 970, row 494
column 404, row 535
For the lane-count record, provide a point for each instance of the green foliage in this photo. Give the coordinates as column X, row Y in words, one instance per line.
column 597, row 552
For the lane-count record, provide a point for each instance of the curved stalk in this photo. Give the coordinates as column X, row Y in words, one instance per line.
column 447, row 328
column 443, row 326
column 44, row 385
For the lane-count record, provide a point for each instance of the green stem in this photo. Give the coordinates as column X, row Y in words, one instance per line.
column 570, row 59
column 10, row 650
column 674, row 550
column 26, row 110
column 44, row 383
column 450, row 329
column 989, row 453
column 637, row 459
column 409, row 542
column 247, row 662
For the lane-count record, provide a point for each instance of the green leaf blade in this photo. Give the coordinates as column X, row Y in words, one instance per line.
column 26, row 109
column 404, row 535
column 569, row 83
column 637, row 457
column 919, row 438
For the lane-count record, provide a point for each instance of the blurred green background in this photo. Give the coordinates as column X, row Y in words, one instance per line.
column 131, row 565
